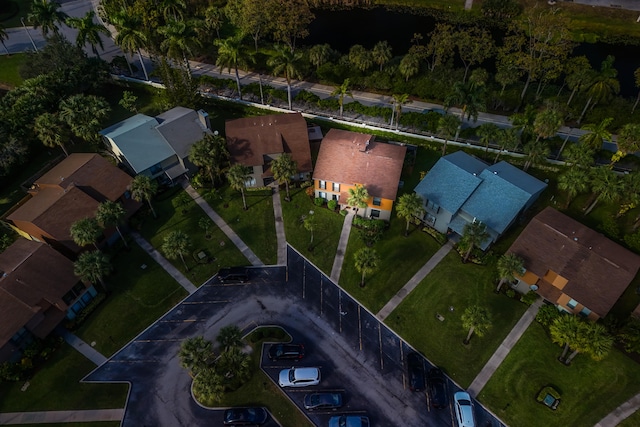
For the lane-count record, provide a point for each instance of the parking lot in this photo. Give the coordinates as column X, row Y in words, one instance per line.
column 357, row 354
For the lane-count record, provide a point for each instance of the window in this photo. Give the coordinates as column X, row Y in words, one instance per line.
column 572, row 304
column 322, row 195
column 430, row 220
column 433, row 207
column 250, row 182
column 335, row 197
column 585, row 312
column 375, row 213
column 377, row 201
column 322, row 184
column 336, row 187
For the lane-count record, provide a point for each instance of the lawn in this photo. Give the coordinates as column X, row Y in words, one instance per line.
column 453, row 285
column 9, row 66
column 632, row 421
column 255, row 226
column 589, row 389
column 174, row 214
column 138, row 297
column 56, row 387
column 326, row 235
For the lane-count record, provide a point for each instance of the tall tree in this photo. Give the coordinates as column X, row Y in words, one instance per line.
column 360, row 58
column 381, row 53
column 473, row 234
column 579, row 75
column 594, row 340
column 230, row 337
column 130, row 37
column 232, row 55
column 234, row 365
column 173, row 9
column 51, row 131
column 342, row 91
column 213, row 20
column 448, row 125
column 180, row 40
column 209, row 385
column 524, row 122
column 85, row 231
column 237, row 175
column 196, row 354
column 366, row 261
column 144, row 188
column 358, row 197
column 509, row 265
column 442, row 43
column 319, row 54
column 409, row 207
column 477, row 320
column 398, row 100
column 628, row 141
column 111, row 214
column 475, row 46
column 509, row 139
column 177, row 244
column 488, row 133
column 249, row 17
column 602, row 86
column 93, row 267
column 630, row 335
column 536, row 152
column 288, row 63
column 89, row 31
column 579, row 156
column 469, row 97
column 47, row 15
column 636, row 76
column 573, row 181
column 547, row 123
column 211, row 154
column 85, row 114
column 606, row 186
column 310, row 225
column 596, row 134
column 565, row 330
column 409, row 66
column 288, row 20
column 283, row 169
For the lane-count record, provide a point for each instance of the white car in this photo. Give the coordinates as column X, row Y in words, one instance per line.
column 299, row 377
column 463, row 407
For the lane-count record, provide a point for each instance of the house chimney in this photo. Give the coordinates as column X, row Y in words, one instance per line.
column 203, row 116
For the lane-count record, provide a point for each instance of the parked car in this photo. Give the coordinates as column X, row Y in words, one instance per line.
column 437, row 389
column 464, row 409
column 415, row 371
column 324, row 400
column 286, row 351
column 299, row 377
column 349, row 421
column 233, row 275
column 245, row 416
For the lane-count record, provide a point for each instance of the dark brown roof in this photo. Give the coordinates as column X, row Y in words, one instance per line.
column 251, row 138
column 597, row 269
column 346, row 158
column 33, row 280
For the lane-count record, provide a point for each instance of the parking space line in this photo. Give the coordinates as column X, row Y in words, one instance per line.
column 359, row 328
column 183, row 321
column 321, row 297
column 206, row 302
column 380, row 346
column 304, row 279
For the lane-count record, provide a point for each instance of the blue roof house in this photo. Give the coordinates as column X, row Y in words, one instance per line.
column 461, row 189
column 157, row 146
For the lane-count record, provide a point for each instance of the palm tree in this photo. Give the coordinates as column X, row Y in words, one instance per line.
column 237, row 176
column 448, row 125
column 473, row 234
column 360, row 57
column 130, row 38
column 579, row 156
column 283, row 168
column 593, row 339
column 381, row 53
column 89, row 31
column 51, row 131
column 628, row 141
column 399, row 99
column 236, row 365
column 565, row 331
column 179, row 40
column 310, row 225
column 477, row 320
column 358, row 197
column 173, row 9
column 176, row 244
column 573, row 182
column 524, row 121
column 231, row 55
column 284, row 61
column 597, row 134
column 636, row 76
column 4, row 36
column 603, row 85
column 366, row 262
column 547, row 123
column 229, row 337
column 144, row 188
column 211, row 154
column 195, row 354
column 84, row 115
column 209, row 385
column 46, row 14
column 93, row 267
column 409, row 66
column 85, row 231
column 509, row 265
column 205, row 223
column 470, row 97
column 488, row 132
column 342, row 91
column 111, row 213
column 409, row 206
column 630, row 335
column 509, row 139
column 319, row 54
column 606, row 186
column 536, row 153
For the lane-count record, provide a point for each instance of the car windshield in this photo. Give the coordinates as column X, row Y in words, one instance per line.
column 292, row 375
column 464, row 402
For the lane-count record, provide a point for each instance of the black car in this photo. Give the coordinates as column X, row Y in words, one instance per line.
column 286, row 351
column 322, row 401
column 245, row 416
column 437, row 388
column 233, row 275
column 415, row 372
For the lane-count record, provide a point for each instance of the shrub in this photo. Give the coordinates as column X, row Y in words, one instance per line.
column 82, row 315
column 510, row 293
column 529, row 298
column 310, row 191
column 332, row 204
column 547, row 314
column 343, row 212
column 319, row 201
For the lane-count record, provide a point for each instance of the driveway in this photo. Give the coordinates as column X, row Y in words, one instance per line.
column 355, row 352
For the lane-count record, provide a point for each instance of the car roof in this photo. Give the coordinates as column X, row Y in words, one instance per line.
column 306, row 372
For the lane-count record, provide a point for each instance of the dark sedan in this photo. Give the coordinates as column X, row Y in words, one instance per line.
column 437, row 389
column 286, row 352
column 415, row 372
column 322, row 401
column 245, row 416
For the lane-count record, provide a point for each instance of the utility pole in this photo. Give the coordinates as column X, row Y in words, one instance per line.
column 25, row 28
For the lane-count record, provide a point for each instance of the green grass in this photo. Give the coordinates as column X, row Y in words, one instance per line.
column 255, row 226
column 9, row 66
column 56, row 387
column 325, row 236
column 172, row 216
column 138, row 297
column 589, row 389
column 457, row 285
column 632, row 421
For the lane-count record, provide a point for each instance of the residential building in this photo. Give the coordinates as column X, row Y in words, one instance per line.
column 572, row 266
column 70, row 191
column 38, row 290
column 461, row 189
column 158, row 147
column 347, row 159
column 256, row 141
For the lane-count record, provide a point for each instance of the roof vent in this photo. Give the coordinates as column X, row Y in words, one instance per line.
column 495, row 172
column 474, row 174
column 575, row 239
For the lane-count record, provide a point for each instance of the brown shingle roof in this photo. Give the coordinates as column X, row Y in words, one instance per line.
column 597, row 269
column 251, row 138
column 345, row 158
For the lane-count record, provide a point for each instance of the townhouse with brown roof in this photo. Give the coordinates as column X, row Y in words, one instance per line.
column 70, row 191
column 38, row 290
column 347, row 159
column 572, row 266
column 256, row 141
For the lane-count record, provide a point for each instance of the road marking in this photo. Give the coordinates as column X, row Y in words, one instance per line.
column 206, row 302
column 304, row 279
column 380, row 345
column 359, row 328
column 321, row 297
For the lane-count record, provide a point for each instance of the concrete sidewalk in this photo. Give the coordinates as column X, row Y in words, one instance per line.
column 174, row 272
column 342, row 246
column 51, row 417
column 414, row 281
column 281, row 237
column 222, row 225
column 507, row 344
column 621, row 413
column 85, row 349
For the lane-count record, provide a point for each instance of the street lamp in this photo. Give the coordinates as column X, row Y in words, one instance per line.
column 25, row 28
